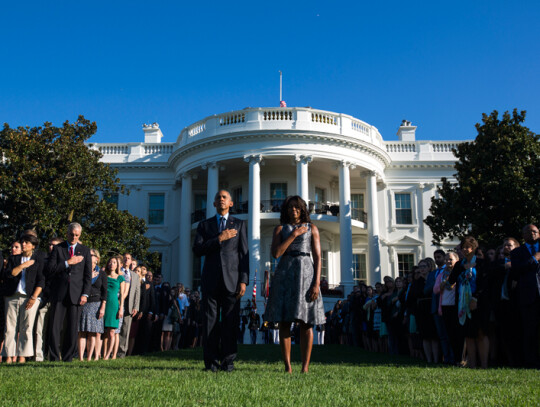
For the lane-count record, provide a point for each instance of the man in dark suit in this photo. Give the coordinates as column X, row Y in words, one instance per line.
column 70, row 271
column 147, row 311
column 222, row 239
column 526, row 271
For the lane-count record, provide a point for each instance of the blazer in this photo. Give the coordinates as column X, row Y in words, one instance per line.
column 228, row 260
column 524, row 269
column 73, row 281
column 133, row 298
column 98, row 291
column 33, row 275
column 148, row 299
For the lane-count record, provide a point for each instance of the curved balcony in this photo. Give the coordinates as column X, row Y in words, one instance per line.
column 296, row 119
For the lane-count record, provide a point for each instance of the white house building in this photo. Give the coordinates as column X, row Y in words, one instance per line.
column 368, row 197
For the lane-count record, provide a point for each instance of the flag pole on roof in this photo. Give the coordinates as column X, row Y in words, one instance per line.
column 281, row 101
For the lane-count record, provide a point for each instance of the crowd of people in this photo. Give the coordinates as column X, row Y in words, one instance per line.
column 124, row 308
column 470, row 306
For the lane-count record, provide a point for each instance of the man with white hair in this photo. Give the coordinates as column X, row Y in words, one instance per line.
column 70, row 271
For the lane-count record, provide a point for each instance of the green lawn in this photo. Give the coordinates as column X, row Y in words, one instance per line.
column 339, row 376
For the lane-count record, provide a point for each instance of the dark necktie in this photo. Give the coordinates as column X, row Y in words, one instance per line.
column 222, row 224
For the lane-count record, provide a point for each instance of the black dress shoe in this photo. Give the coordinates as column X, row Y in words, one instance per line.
column 227, row 368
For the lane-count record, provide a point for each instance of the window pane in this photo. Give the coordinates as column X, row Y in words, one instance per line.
column 200, row 201
column 112, row 199
column 405, row 263
column 278, row 193
column 320, row 195
column 357, row 201
column 324, row 265
column 156, row 209
column 360, row 268
column 403, row 209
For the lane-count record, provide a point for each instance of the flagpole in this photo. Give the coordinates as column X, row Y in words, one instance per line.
column 280, row 86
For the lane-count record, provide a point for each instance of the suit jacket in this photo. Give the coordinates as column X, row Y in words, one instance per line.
column 73, row 281
column 524, row 269
column 33, row 275
column 148, row 300
column 133, row 299
column 228, row 260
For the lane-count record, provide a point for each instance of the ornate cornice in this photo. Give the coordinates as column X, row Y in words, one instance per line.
column 229, row 139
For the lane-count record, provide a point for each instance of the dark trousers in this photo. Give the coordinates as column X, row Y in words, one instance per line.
column 220, row 324
column 530, row 320
column 509, row 332
column 453, row 329
column 72, row 315
column 144, row 334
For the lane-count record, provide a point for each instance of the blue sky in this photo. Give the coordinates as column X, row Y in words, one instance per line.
column 121, row 64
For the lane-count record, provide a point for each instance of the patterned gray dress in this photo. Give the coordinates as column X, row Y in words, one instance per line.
column 288, row 300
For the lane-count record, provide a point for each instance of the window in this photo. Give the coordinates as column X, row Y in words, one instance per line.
column 324, row 265
column 111, row 198
column 360, row 268
column 239, row 205
column 278, row 193
column 320, row 195
column 357, row 207
column 200, row 208
column 403, row 209
column 197, row 271
column 200, row 201
column 156, row 209
column 405, row 263
column 237, row 196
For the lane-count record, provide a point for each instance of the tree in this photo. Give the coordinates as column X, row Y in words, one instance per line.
column 498, row 183
column 49, row 177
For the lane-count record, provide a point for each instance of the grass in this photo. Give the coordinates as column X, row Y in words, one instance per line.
column 339, row 376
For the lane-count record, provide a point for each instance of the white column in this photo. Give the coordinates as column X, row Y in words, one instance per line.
column 345, row 226
column 374, row 261
column 185, row 274
column 254, row 216
column 212, row 187
column 302, row 189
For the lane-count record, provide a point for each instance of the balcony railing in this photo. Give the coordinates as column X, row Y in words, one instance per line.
column 274, row 206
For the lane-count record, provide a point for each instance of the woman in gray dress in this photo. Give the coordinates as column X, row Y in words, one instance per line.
column 295, row 287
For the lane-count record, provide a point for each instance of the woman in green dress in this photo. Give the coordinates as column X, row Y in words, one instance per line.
column 114, row 309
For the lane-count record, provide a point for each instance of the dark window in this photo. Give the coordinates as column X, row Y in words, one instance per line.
column 360, row 268
column 403, row 209
column 405, row 263
column 156, row 209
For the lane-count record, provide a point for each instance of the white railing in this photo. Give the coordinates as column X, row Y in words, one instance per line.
column 444, row 147
column 158, row 149
column 232, row 118
column 401, row 148
column 360, row 127
column 114, row 149
column 197, row 128
column 277, row 115
column 280, row 119
column 324, row 118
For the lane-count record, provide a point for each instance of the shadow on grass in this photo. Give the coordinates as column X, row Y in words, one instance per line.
column 264, row 354
column 327, row 354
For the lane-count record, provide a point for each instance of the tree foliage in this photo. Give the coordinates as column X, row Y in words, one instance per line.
column 49, row 177
column 498, row 183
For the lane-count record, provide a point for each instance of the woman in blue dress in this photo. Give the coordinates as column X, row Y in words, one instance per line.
column 295, row 288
